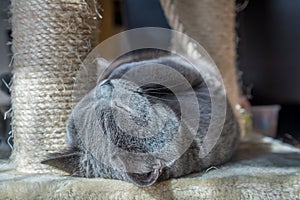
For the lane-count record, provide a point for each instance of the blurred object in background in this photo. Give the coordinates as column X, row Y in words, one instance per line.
column 268, row 56
column 138, row 14
column 112, row 21
column 287, row 138
column 120, row 15
column 5, row 31
column 265, row 119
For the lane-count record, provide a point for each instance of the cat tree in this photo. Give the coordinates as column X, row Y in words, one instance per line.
column 50, row 40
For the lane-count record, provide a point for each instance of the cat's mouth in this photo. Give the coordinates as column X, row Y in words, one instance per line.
column 146, row 179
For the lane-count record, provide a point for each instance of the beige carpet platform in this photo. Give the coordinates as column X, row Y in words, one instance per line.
column 263, row 168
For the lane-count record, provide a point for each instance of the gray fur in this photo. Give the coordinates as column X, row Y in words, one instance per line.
column 107, row 108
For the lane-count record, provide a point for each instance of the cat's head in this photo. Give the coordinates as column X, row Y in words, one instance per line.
column 130, row 130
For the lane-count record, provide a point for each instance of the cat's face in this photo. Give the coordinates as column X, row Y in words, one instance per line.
column 124, row 98
column 136, row 126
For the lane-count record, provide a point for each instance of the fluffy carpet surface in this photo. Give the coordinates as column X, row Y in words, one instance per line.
column 263, row 168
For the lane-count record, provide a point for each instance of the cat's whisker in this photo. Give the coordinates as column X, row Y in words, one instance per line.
column 154, row 97
column 151, row 92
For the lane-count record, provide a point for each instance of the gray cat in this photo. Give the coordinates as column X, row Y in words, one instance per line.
column 118, row 130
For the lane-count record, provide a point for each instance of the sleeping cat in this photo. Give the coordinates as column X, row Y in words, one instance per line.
column 136, row 124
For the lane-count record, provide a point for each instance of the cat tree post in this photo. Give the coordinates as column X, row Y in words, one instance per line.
column 50, row 39
column 212, row 24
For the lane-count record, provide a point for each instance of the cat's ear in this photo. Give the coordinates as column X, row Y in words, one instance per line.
column 102, row 68
column 66, row 160
column 189, row 70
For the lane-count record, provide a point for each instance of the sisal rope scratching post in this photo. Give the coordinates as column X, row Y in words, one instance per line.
column 50, row 39
column 212, row 24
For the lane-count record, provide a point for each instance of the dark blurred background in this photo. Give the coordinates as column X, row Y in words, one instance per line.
column 269, row 58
